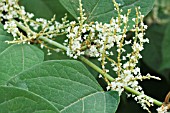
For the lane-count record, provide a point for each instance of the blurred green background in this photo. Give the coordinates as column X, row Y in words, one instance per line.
column 156, row 56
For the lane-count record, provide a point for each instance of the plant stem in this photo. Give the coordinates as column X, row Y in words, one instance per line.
column 96, row 68
column 53, row 43
column 156, row 102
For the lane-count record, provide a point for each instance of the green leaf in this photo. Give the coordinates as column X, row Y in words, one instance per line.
column 40, row 10
column 55, row 55
column 68, row 85
column 3, row 32
column 3, row 44
column 17, row 58
column 99, row 102
column 166, row 50
column 15, row 100
column 152, row 52
column 1, row 26
column 45, row 8
column 4, row 36
column 60, row 56
column 103, row 10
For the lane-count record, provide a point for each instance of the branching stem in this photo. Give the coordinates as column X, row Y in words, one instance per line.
column 89, row 63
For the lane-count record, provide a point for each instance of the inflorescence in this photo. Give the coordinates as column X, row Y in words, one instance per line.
column 95, row 39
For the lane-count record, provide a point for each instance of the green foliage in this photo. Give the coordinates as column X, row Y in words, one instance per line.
column 15, row 100
column 156, row 53
column 166, row 49
column 45, row 8
column 165, row 65
column 3, row 37
column 68, row 85
column 152, row 52
column 17, row 58
column 103, row 11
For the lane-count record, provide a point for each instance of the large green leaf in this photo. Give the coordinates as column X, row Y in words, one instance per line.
column 103, row 10
column 17, row 58
column 69, row 86
column 15, row 100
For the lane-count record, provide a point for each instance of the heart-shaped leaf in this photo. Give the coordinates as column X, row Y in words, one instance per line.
column 15, row 100
column 17, row 58
column 69, row 86
column 103, row 10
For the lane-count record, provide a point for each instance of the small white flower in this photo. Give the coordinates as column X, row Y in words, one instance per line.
column 115, row 68
column 51, row 28
column 100, row 76
column 30, row 15
column 136, row 70
column 162, row 109
column 134, row 19
column 108, row 88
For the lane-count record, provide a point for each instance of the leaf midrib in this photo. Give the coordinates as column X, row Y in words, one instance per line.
column 91, row 16
column 93, row 9
column 80, row 100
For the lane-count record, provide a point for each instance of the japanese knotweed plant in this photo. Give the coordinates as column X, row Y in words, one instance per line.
column 89, row 39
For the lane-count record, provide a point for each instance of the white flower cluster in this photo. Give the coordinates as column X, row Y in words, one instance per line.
column 90, row 39
column 163, row 109
column 10, row 25
column 144, row 101
column 13, row 15
column 94, row 39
